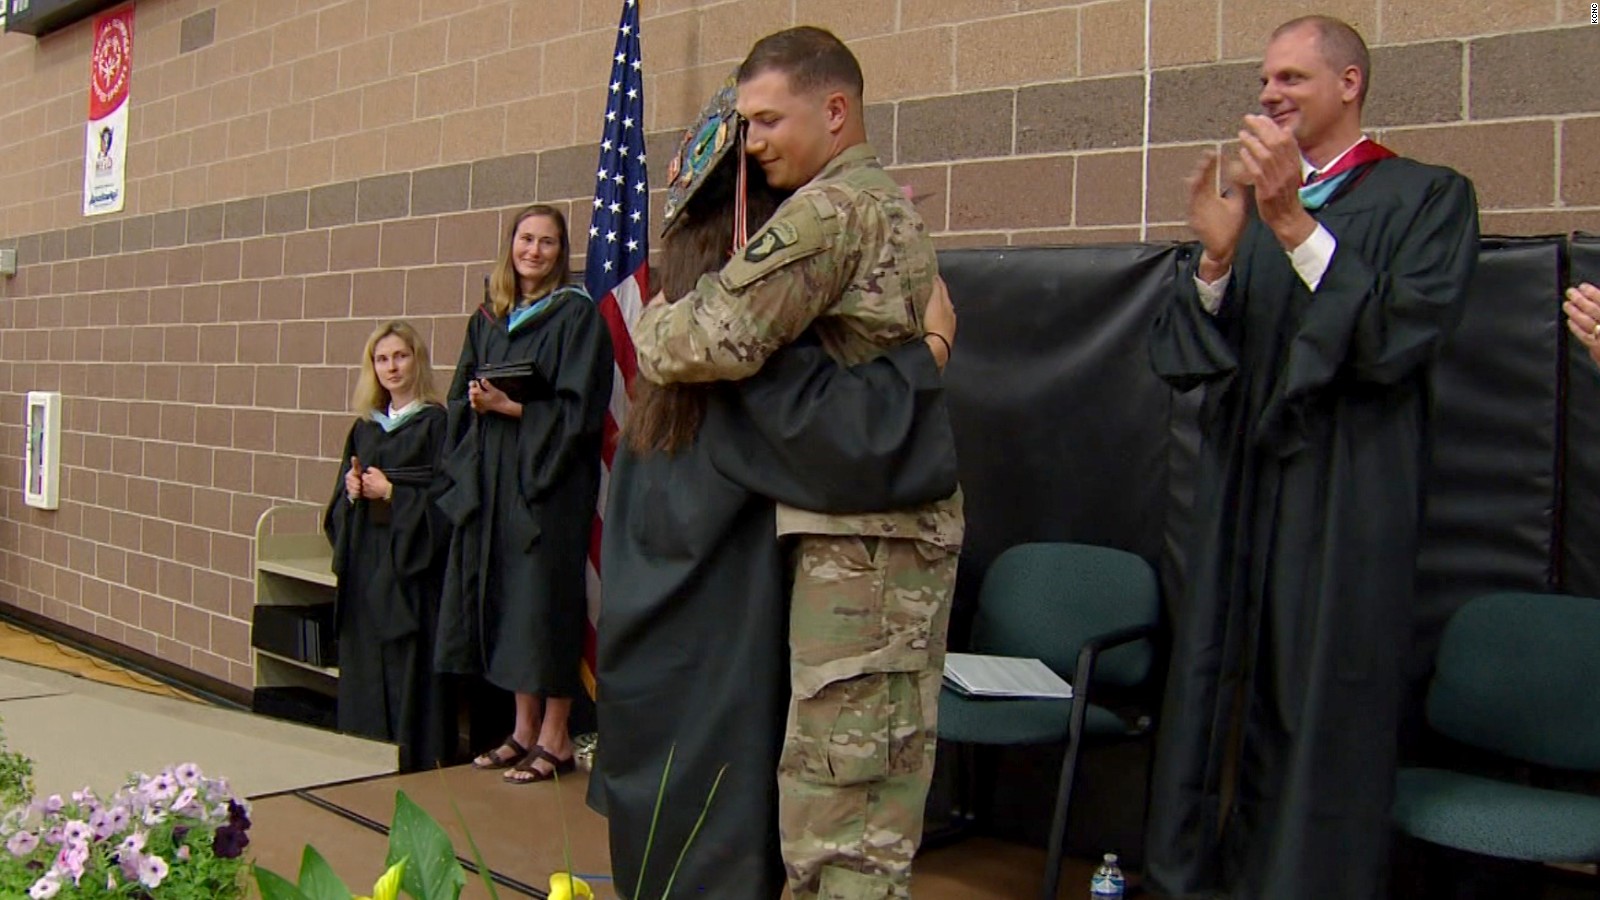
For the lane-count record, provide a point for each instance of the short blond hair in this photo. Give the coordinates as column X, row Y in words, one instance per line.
column 370, row 394
column 1340, row 44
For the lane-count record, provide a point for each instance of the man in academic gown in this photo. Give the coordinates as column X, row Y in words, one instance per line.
column 693, row 632
column 1310, row 318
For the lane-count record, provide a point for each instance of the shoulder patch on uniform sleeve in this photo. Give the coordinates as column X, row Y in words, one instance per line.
column 795, row 233
column 780, row 236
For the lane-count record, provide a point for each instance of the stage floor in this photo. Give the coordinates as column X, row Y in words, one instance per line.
column 60, row 720
column 518, row 829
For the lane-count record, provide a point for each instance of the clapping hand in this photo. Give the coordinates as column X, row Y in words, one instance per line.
column 1218, row 219
column 1583, row 317
column 1270, row 159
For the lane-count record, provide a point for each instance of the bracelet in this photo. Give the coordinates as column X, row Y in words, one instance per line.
column 948, row 350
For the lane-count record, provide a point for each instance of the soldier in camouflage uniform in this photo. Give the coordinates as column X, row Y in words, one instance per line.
column 848, row 258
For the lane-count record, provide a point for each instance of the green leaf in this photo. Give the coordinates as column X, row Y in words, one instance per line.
column 317, row 880
column 276, row 887
column 655, row 815
column 434, row 873
column 477, row 855
column 693, row 833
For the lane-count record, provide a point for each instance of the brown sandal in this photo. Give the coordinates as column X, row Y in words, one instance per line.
column 498, row 760
column 526, row 766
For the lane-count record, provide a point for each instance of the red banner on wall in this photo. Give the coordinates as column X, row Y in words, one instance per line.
column 106, row 136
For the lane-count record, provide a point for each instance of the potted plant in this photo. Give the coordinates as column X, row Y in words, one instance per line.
column 175, row 835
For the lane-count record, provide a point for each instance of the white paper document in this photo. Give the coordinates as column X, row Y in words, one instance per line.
column 1003, row 676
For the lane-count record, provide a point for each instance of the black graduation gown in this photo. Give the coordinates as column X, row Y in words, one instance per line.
column 522, row 495
column 1299, row 594
column 390, row 561
column 693, row 631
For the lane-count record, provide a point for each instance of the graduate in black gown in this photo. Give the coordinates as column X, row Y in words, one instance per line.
column 693, row 653
column 523, row 465
column 1311, row 319
column 389, row 544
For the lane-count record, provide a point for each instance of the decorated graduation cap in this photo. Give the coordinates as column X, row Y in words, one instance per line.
column 718, row 130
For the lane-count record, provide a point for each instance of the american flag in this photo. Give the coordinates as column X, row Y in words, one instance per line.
column 618, row 270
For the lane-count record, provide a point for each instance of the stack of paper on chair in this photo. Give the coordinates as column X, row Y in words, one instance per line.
column 1003, row 676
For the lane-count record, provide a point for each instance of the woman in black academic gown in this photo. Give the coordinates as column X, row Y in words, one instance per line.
column 389, row 542
column 693, row 654
column 523, row 466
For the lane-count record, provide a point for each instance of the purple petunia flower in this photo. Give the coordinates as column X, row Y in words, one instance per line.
column 72, row 858
column 76, row 831
column 100, row 821
column 152, row 871
column 53, row 803
column 45, row 887
column 188, row 775
column 229, row 842
column 129, row 864
column 22, row 843
column 184, row 799
column 133, row 843
column 117, row 818
column 161, row 787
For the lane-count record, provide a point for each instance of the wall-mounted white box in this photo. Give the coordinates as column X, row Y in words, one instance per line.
column 8, row 261
column 42, row 459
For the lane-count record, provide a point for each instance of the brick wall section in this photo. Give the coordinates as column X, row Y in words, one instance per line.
column 302, row 170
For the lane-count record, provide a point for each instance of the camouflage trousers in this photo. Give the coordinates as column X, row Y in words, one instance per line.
column 867, row 635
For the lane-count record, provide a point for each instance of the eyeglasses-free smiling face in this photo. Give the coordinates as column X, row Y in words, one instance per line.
column 1303, row 92
column 789, row 133
column 535, row 251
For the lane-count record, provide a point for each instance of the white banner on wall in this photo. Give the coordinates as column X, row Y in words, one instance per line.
column 105, row 152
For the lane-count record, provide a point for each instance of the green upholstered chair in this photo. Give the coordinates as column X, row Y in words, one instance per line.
column 1517, row 675
column 1089, row 613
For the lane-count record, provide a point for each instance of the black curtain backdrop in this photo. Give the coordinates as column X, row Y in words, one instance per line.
column 1061, row 427
column 1579, row 478
column 1064, row 434
column 1492, row 495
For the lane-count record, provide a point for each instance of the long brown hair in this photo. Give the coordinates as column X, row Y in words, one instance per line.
column 504, row 287
column 370, row 393
column 667, row 417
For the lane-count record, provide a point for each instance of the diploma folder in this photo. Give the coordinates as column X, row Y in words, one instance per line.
column 521, row 381
column 1011, row 677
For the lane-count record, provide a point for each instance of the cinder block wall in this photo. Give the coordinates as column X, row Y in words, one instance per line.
column 300, row 170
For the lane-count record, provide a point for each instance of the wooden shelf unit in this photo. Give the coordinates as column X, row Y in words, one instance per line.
column 293, row 567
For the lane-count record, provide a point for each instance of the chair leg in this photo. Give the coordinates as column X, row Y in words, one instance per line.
column 962, row 810
column 969, row 784
column 959, row 824
column 1058, row 822
column 960, row 796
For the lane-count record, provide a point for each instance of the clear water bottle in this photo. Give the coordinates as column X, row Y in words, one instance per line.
column 1107, row 883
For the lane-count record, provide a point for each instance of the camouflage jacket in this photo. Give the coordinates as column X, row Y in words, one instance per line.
column 846, row 255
